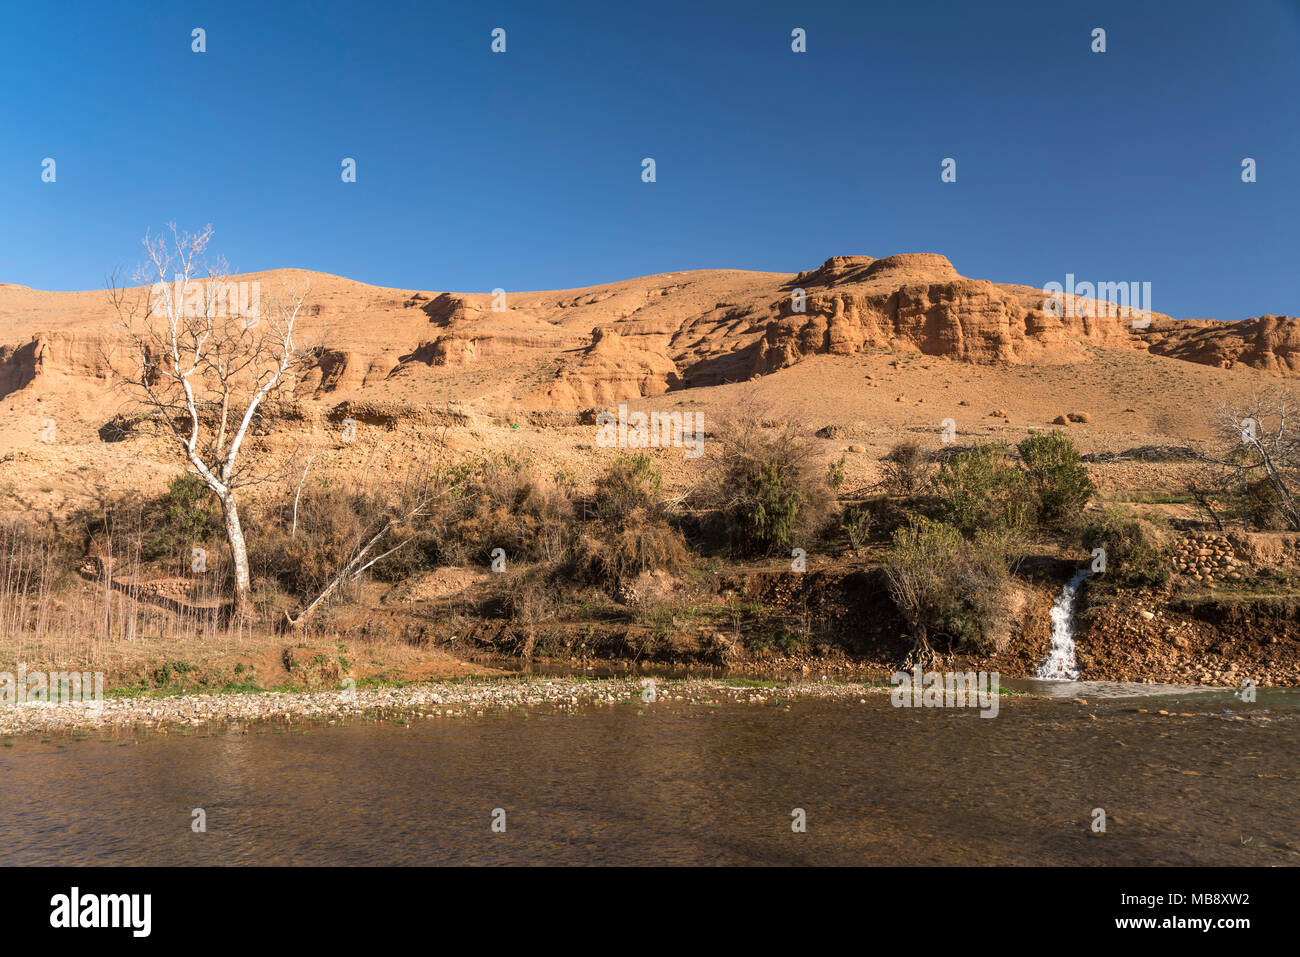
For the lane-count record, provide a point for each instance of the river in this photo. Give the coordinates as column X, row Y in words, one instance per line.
column 678, row 783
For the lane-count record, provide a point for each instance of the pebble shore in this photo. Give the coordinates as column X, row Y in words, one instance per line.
column 433, row 700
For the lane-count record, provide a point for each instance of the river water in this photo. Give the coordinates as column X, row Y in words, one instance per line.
column 679, row 783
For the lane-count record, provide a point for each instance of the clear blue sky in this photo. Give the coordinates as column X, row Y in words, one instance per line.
column 523, row 170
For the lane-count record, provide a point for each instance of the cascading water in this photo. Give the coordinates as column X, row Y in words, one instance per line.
column 1059, row 665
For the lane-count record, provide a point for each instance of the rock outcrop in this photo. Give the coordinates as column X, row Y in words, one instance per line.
column 576, row 348
column 1268, row 343
column 612, row 369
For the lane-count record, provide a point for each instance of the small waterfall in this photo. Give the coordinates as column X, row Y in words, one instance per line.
column 1059, row 665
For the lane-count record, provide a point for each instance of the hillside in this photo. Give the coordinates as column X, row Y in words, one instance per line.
column 881, row 347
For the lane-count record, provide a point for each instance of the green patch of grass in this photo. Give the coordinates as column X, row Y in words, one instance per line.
column 1273, row 584
column 240, row 687
column 164, row 674
column 697, row 613
column 131, row 692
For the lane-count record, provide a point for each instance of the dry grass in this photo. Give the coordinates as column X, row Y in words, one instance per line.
column 51, row 615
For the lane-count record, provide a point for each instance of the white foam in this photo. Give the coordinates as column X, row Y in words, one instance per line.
column 1060, row 664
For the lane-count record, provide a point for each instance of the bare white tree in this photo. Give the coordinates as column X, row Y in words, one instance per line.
column 204, row 368
column 1261, row 437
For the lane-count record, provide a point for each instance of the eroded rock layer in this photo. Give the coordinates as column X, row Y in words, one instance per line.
column 574, row 349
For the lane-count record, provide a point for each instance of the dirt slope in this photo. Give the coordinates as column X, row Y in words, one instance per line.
column 876, row 348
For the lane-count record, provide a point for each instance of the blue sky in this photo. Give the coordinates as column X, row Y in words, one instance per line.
column 523, row 170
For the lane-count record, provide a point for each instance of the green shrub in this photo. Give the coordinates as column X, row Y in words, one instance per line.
column 835, row 473
column 1138, row 550
column 767, row 487
column 857, row 522
column 184, row 515
column 982, row 490
column 949, row 587
column 774, row 507
column 1057, row 478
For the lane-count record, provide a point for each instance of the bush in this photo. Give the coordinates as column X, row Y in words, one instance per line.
column 906, row 470
column 632, row 482
column 1260, row 506
column 631, row 535
column 948, row 586
column 836, row 473
column 528, row 599
column 982, row 490
column 1057, row 478
column 183, row 516
column 332, row 519
column 767, row 488
column 857, row 522
column 1138, row 550
column 496, row 503
column 609, row 555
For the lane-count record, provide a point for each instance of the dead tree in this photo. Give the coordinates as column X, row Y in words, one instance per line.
column 203, row 369
column 1260, row 440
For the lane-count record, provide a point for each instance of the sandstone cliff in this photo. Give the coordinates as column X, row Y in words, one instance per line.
column 571, row 349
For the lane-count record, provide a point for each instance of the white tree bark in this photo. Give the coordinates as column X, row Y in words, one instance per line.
column 238, row 548
column 189, row 356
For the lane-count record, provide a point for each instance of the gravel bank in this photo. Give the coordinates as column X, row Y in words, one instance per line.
column 449, row 699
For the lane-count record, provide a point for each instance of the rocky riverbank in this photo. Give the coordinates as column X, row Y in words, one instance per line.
column 446, row 700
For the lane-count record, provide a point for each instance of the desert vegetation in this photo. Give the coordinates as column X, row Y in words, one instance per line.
column 945, row 529
column 963, row 524
column 773, row 553
column 472, row 514
column 1249, row 473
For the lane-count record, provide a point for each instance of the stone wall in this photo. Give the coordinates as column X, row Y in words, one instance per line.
column 1209, row 557
column 1234, row 555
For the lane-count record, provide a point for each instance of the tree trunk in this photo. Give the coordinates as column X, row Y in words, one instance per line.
column 238, row 553
column 352, row 568
column 921, row 652
column 296, row 623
